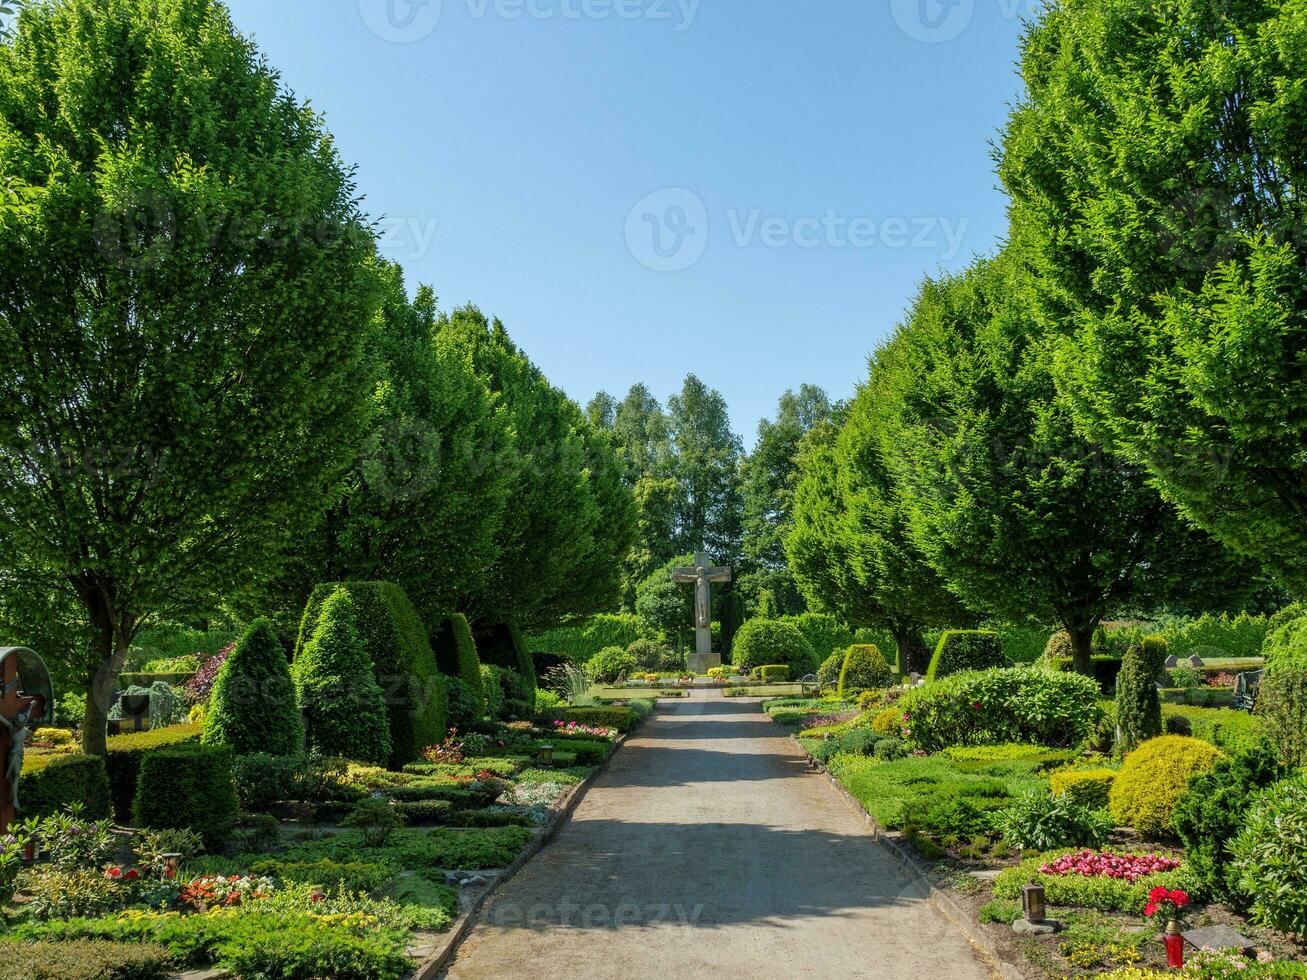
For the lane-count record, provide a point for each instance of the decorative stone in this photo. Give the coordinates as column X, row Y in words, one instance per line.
column 1024, row 927
column 1218, row 937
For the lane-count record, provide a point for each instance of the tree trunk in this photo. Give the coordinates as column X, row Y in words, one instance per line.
column 1082, row 646
column 113, row 632
column 914, row 658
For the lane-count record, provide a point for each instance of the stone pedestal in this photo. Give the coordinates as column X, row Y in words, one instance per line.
column 703, row 659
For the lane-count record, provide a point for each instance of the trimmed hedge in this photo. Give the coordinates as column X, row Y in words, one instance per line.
column 85, row 959
column 623, row 719
column 52, row 782
column 456, row 655
column 864, row 669
column 188, row 789
column 396, row 645
column 1154, row 777
column 771, row 641
column 122, row 761
column 774, row 673
column 252, row 706
column 1226, row 728
column 1106, row 669
column 578, row 644
column 1138, row 706
column 1088, row 787
column 501, row 645
column 344, row 709
column 1014, row 705
column 962, row 650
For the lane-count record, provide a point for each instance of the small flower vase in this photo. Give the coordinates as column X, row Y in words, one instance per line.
column 1174, row 946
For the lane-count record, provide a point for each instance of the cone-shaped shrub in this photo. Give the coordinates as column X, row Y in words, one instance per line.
column 344, row 711
column 864, row 669
column 1138, row 708
column 252, row 707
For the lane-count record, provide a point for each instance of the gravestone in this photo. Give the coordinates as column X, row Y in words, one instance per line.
column 702, row 575
column 26, row 700
column 1172, row 661
column 1219, row 937
column 1196, row 661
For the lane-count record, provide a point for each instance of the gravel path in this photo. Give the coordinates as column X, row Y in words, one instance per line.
column 707, row 849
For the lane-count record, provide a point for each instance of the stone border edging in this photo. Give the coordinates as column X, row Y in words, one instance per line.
column 433, row 964
column 942, row 902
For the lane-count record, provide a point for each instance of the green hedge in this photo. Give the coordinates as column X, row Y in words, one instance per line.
column 502, row 646
column 345, row 713
column 403, row 663
column 122, row 761
column 774, row 673
column 1106, row 669
column 579, row 643
column 456, row 655
column 85, row 959
column 52, row 782
column 623, row 719
column 189, row 788
column 140, row 678
column 1015, row 705
column 824, row 632
column 960, row 650
column 252, row 706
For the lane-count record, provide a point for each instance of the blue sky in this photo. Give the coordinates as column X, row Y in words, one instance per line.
column 746, row 189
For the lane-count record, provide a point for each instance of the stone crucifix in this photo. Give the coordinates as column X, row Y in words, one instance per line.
column 702, row 575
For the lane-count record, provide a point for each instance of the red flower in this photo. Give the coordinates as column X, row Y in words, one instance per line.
column 1158, row 894
column 1180, row 898
column 114, row 872
column 133, row 874
column 1150, row 909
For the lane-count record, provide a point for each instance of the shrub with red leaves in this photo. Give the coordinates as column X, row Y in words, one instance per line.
column 198, row 687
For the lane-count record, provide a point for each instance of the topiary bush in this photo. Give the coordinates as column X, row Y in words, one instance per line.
column 609, row 664
column 252, row 707
column 828, row 674
column 344, row 710
column 1088, row 787
column 864, row 669
column 997, row 707
column 962, row 650
column 1282, row 709
column 1268, row 864
column 771, row 641
column 123, row 755
column 1154, row 777
column 502, row 646
column 52, row 782
column 188, row 789
column 1138, row 707
column 456, row 656
column 493, row 687
column 402, row 662
column 774, row 673
column 1211, row 812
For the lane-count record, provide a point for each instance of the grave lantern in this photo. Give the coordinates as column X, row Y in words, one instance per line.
column 1032, row 903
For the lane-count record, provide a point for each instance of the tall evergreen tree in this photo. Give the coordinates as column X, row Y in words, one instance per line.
column 709, row 505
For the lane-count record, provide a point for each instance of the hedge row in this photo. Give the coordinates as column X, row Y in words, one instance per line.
column 51, row 782
column 123, row 760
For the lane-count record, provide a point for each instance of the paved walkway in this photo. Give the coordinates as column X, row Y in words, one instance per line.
column 707, row 849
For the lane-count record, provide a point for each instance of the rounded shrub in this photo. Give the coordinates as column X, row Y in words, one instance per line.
column 961, row 650
column 774, row 673
column 828, row 674
column 864, row 669
column 610, row 664
column 649, row 655
column 1088, row 787
column 1013, row 705
column 771, row 641
column 1211, row 813
column 1138, row 706
column 1268, row 856
column 1059, row 646
column 888, row 723
column 1282, row 708
column 252, row 706
column 188, row 788
column 344, row 710
column 1153, row 779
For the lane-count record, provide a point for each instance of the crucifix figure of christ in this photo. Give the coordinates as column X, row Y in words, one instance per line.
column 702, row 575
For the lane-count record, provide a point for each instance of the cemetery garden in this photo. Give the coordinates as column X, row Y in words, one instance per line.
column 323, row 611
